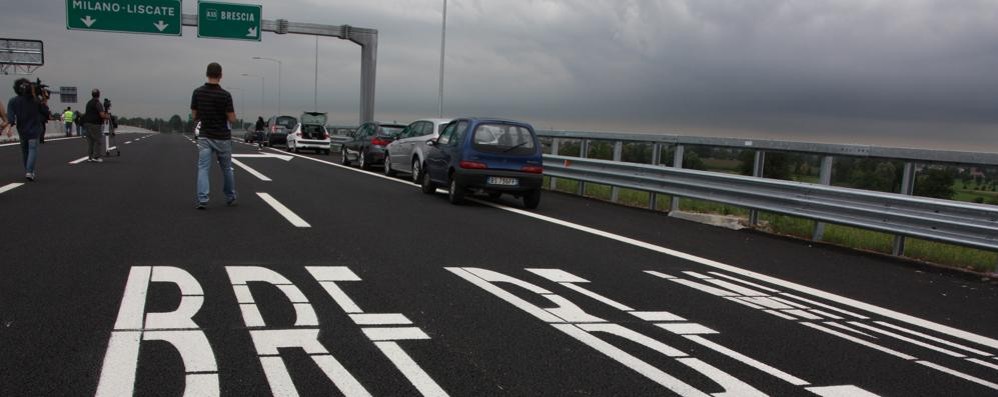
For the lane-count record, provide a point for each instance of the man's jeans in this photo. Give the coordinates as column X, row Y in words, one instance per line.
column 29, row 152
column 222, row 149
column 93, row 140
column 69, row 129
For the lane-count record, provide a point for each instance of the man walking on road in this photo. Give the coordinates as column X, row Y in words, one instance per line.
column 25, row 112
column 92, row 121
column 212, row 107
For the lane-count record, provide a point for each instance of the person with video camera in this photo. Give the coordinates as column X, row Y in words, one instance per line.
column 93, row 119
column 25, row 112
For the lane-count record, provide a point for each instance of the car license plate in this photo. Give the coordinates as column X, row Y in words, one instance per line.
column 498, row 180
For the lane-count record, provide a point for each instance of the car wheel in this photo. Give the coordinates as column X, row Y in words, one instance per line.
column 456, row 193
column 495, row 195
column 362, row 161
column 388, row 166
column 417, row 172
column 532, row 199
column 344, row 160
column 427, row 185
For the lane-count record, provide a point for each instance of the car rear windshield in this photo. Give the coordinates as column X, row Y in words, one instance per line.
column 503, row 138
column 390, row 130
column 308, row 128
column 286, row 121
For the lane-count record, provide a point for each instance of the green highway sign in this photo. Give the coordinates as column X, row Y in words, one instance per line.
column 229, row 21
column 162, row 17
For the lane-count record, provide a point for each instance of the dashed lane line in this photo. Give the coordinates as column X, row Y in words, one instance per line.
column 253, row 172
column 84, row 158
column 9, row 187
column 295, row 220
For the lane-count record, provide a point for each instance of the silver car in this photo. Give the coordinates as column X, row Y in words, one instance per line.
column 406, row 153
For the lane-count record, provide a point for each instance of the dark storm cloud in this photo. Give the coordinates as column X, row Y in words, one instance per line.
column 910, row 73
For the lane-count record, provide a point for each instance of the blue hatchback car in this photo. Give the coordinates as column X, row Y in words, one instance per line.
column 491, row 156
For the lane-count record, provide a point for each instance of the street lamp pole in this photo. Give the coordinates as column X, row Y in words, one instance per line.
column 262, row 83
column 278, row 80
column 443, row 42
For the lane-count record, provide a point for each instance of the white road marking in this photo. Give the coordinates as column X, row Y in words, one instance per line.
column 46, row 140
column 907, row 339
column 944, row 329
column 253, row 172
column 10, row 186
column 829, row 307
column 264, row 156
column 394, row 333
column 340, row 297
column 748, row 283
column 657, row 316
column 79, row 160
column 793, row 380
column 601, row 298
column 958, row 374
column 846, row 328
column 380, row 319
column 686, row 328
column 295, row 220
column 128, row 143
column 410, row 369
column 840, row 391
column 860, row 341
column 984, row 363
column 932, row 338
column 777, row 313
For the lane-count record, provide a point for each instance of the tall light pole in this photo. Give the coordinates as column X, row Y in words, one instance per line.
column 242, row 106
column 443, row 42
column 262, row 82
column 278, row 80
column 315, row 83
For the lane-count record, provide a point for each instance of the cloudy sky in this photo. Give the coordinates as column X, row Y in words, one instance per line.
column 917, row 73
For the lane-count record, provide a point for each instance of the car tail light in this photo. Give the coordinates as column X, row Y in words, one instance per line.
column 473, row 165
column 377, row 141
column 273, row 128
column 325, row 135
column 533, row 169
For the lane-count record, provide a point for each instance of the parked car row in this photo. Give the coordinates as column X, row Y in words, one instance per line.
column 465, row 155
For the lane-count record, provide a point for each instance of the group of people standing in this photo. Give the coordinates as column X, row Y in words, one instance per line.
column 28, row 111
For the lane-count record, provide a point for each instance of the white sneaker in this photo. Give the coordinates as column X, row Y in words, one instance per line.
column 30, row 176
column 98, row 160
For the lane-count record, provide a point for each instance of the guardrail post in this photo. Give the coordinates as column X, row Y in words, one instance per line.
column 656, row 159
column 757, row 170
column 618, row 151
column 583, row 153
column 554, row 151
column 907, row 188
column 824, row 178
column 677, row 162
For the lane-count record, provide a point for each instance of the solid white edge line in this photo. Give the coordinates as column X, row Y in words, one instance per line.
column 846, row 328
column 10, row 186
column 253, row 172
column 295, row 220
column 954, row 332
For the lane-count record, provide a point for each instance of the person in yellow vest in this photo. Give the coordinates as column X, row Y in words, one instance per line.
column 67, row 119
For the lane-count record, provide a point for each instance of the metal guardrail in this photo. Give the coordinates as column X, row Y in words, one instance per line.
column 907, row 154
column 968, row 224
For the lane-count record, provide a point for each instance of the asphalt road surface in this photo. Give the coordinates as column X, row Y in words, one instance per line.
column 326, row 280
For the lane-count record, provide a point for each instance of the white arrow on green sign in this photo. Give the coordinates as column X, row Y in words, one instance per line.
column 229, row 21
column 162, row 17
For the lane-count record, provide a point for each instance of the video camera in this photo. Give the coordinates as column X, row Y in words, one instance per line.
column 36, row 89
column 107, row 104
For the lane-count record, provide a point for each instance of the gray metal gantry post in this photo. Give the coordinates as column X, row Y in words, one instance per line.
column 365, row 37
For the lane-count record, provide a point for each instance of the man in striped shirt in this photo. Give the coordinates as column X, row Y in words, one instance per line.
column 212, row 106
